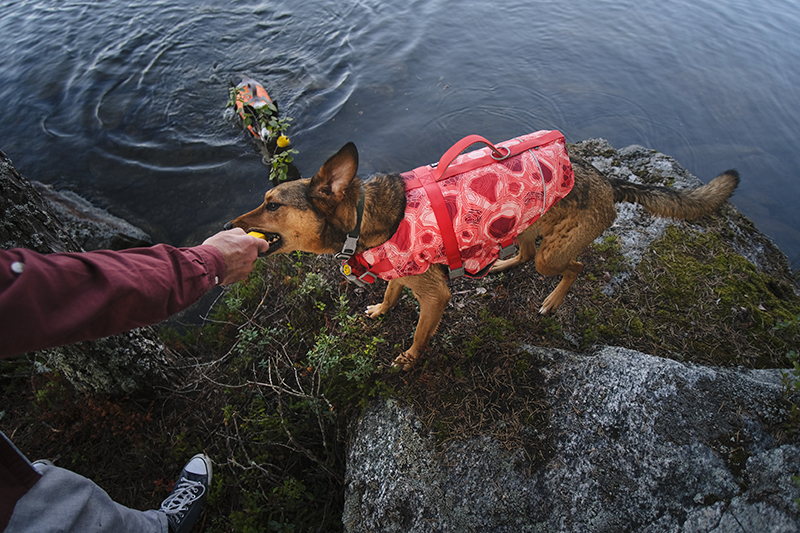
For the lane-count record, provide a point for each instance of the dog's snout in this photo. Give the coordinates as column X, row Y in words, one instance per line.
column 228, row 225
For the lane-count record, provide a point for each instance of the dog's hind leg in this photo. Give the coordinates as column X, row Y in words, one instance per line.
column 561, row 244
column 526, row 244
column 568, row 276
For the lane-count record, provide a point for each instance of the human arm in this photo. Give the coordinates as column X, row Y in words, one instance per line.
column 63, row 298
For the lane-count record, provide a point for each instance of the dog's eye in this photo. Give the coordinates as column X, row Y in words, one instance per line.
column 272, row 206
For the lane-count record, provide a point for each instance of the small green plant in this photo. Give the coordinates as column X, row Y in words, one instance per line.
column 264, row 120
column 346, row 350
column 313, row 286
column 609, row 251
column 791, row 378
column 280, row 165
column 493, row 330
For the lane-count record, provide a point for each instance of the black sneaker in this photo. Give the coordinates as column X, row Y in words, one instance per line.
column 182, row 506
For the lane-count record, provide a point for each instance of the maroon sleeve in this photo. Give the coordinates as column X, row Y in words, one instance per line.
column 61, row 298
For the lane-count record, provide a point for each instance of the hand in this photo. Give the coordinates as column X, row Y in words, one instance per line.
column 240, row 252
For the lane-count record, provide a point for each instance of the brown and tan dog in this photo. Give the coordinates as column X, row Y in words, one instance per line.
column 315, row 214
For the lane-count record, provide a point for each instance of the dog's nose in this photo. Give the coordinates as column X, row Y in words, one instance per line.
column 228, row 225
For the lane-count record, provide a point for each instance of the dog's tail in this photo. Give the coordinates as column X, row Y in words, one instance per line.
column 684, row 204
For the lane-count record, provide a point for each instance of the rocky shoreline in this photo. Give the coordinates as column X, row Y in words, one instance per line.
column 634, row 441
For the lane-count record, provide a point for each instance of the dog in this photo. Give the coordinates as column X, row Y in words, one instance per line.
column 315, row 215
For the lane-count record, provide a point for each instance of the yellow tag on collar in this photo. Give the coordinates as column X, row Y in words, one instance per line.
column 346, row 269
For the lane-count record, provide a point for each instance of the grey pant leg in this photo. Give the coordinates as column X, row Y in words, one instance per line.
column 65, row 501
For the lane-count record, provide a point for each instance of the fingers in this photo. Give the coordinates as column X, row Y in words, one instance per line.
column 239, row 251
column 263, row 245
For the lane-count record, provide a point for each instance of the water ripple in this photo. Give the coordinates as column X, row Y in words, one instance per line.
column 127, row 98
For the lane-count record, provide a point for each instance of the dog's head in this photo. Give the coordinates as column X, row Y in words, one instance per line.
column 312, row 214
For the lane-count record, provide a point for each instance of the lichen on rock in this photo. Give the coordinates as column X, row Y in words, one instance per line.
column 689, row 440
column 132, row 362
column 641, row 444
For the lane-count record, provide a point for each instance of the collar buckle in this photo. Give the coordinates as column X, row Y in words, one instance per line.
column 351, row 242
column 348, row 249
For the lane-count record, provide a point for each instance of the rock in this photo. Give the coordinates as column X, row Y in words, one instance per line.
column 26, row 220
column 634, row 442
column 639, row 444
column 635, row 229
column 91, row 227
column 136, row 361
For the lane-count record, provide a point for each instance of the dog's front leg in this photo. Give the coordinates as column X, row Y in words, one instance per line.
column 390, row 297
column 431, row 291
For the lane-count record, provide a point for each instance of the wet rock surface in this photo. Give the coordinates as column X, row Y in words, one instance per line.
column 91, row 227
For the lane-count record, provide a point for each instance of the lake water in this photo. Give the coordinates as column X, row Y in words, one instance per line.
column 124, row 102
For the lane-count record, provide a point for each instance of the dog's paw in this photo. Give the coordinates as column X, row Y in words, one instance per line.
column 502, row 264
column 550, row 304
column 404, row 361
column 374, row 311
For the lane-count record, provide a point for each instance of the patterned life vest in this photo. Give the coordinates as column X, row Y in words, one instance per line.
column 487, row 201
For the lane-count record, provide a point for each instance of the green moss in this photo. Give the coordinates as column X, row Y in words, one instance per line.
column 552, row 327
column 492, row 329
column 588, row 319
column 692, row 297
column 726, row 307
column 610, row 257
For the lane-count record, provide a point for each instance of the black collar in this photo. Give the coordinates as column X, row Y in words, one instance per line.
column 350, row 243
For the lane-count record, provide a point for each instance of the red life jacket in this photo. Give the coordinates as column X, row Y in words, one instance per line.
column 488, row 202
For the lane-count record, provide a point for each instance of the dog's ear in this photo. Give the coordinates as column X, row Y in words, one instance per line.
column 327, row 187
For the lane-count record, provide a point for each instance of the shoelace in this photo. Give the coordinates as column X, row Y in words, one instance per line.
column 184, row 494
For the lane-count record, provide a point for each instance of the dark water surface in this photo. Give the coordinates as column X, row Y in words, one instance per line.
column 124, row 102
